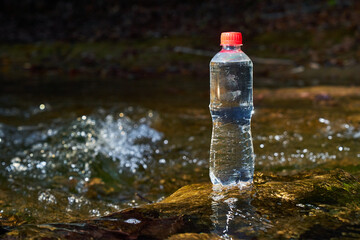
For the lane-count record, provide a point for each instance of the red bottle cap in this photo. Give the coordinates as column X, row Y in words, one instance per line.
column 231, row 38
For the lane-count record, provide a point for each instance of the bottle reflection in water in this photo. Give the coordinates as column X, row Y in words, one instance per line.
column 233, row 216
column 231, row 107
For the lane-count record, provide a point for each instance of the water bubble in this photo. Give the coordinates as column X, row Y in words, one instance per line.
column 262, row 145
column 41, row 165
column 323, row 120
column 298, row 137
column 18, row 167
column 340, row 148
column 357, row 135
column 42, row 106
column 132, row 221
column 47, row 198
column 95, row 213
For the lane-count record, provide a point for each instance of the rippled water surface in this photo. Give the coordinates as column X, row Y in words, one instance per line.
column 73, row 155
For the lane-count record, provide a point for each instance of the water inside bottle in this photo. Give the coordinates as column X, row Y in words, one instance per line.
column 231, row 153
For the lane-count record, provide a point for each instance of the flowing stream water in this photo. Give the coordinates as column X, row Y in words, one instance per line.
column 73, row 154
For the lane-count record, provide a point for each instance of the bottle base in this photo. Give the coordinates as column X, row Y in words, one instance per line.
column 231, row 181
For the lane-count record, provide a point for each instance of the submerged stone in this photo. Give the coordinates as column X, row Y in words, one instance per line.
column 314, row 204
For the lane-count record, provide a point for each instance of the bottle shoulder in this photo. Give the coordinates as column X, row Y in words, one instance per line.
column 231, row 57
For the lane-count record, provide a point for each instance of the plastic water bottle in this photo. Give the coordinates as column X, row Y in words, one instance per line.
column 231, row 107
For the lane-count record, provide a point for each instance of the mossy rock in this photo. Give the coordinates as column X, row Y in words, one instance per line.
column 311, row 205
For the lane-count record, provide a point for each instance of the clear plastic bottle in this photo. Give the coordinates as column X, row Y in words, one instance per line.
column 231, row 107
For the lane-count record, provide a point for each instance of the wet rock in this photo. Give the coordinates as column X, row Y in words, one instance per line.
column 195, row 236
column 314, row 204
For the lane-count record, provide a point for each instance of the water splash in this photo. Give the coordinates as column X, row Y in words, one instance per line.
column 128, row 143
column 69, row 164
column 72, row 149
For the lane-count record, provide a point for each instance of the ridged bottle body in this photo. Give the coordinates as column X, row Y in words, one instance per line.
column 231, row 107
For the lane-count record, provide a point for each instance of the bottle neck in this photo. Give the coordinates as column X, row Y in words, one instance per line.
column 235, row 48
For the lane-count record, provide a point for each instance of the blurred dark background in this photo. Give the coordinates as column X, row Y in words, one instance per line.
column 293, row 43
